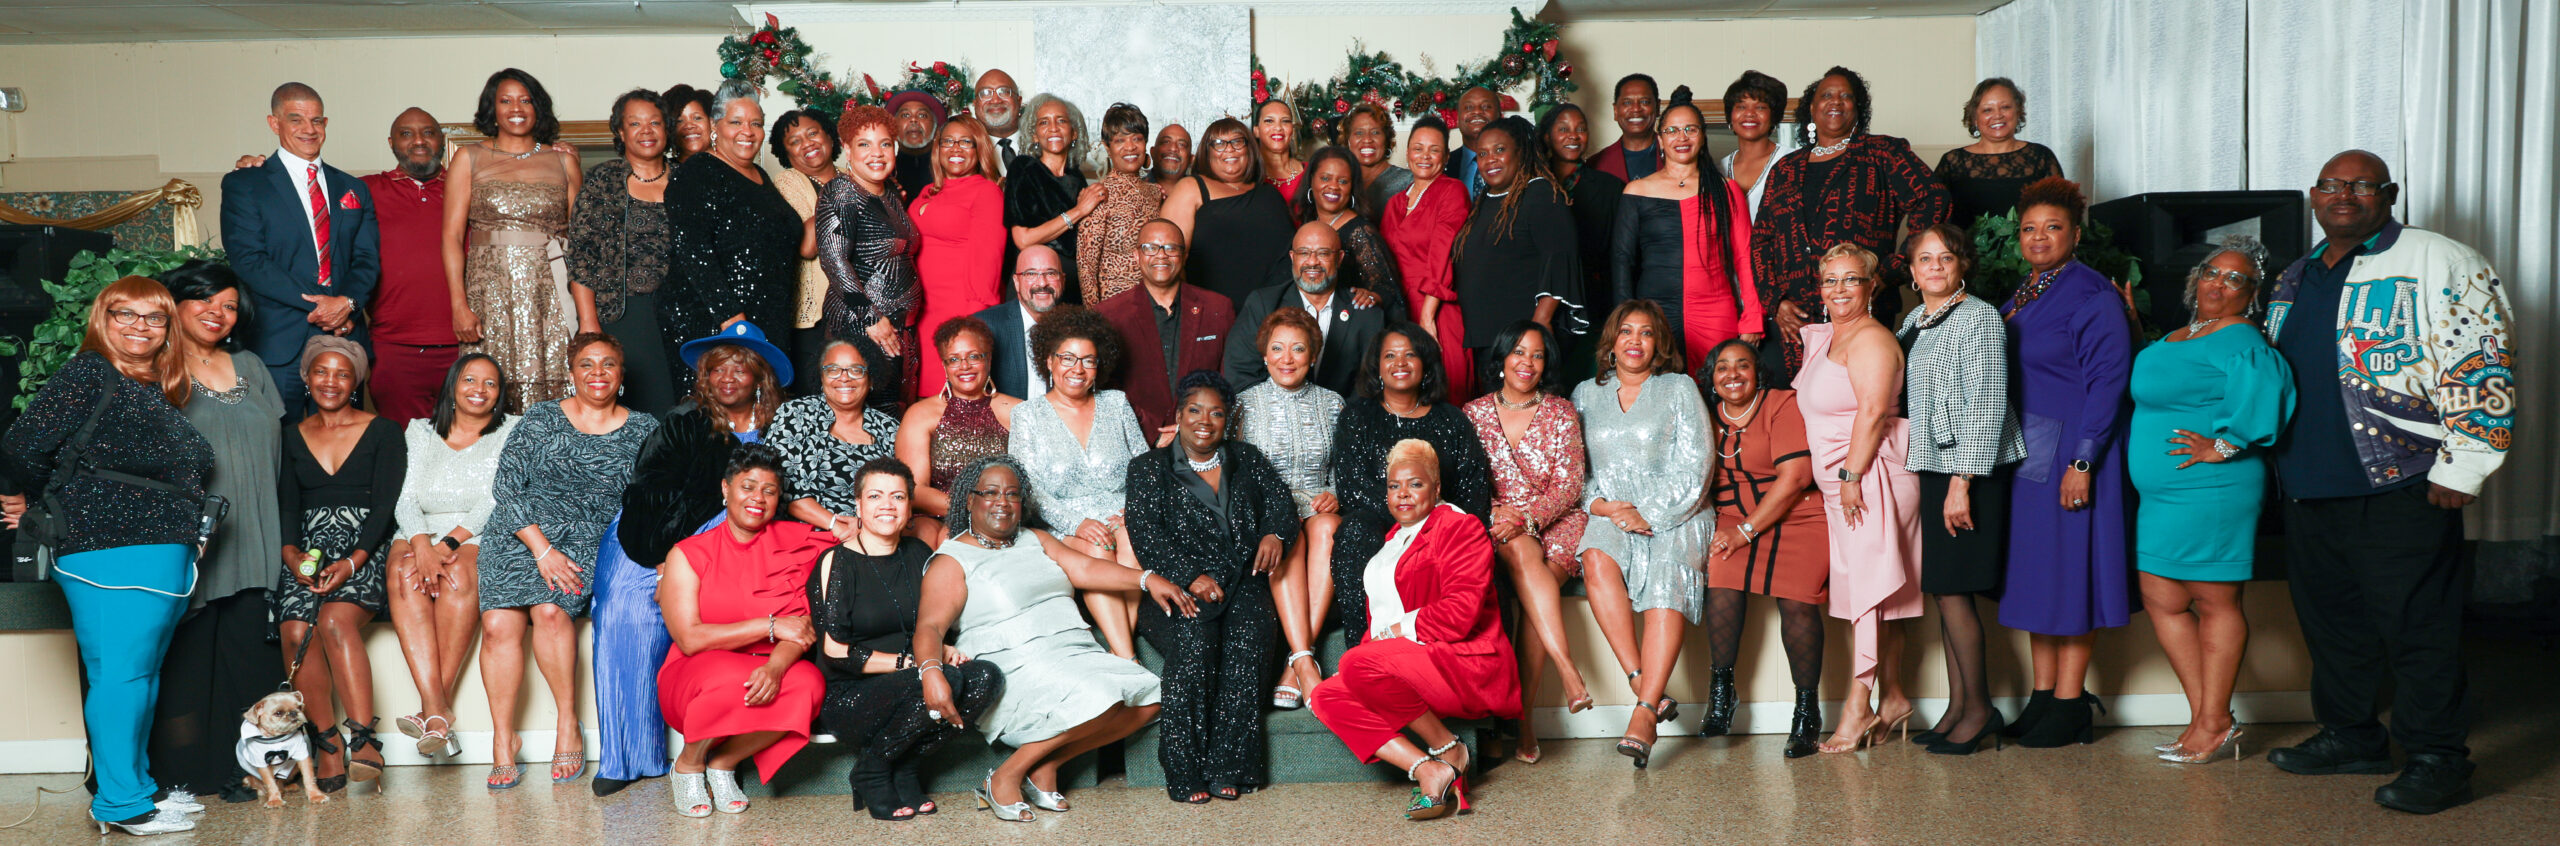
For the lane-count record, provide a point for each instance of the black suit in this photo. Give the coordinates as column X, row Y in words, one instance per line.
column 1005, row 318
column 1346, row 338
column 266, row 236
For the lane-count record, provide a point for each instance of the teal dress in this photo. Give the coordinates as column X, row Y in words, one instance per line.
column 2199, row 524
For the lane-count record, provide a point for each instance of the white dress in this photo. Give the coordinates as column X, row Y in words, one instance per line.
column 1072, row 481
column 1021, row 616
column 447, row 488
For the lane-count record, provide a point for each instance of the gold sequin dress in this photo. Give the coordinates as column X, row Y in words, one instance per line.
column 526, row 317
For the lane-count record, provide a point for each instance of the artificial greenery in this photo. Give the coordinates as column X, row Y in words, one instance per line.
column 1998, row 268
column 775, row 50
column 1528, row 55
column 57, row 339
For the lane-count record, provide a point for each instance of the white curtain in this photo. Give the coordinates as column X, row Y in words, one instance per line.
column 2481, row 122
column 2112, row 88
column 2324, row 76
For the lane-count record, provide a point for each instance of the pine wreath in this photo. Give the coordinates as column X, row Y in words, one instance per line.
column 1529, row 54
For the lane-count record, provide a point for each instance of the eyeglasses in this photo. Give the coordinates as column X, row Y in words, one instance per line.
column 959, row 142
column 1315, row 252
column 2359, row 187
column 2232, row 279
column 1841, row 282
column 1041, row 275
column 155, row 320
column 845, row 371
column 1087, row 362
column 964, row 358
column 1684, row 129
column 1225, row 143
column 1013, row 494
column 1160, row 249
column 995, row 91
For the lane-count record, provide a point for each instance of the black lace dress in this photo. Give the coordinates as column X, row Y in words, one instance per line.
column 1217, row 665
column 1361, row 438
column 867, row 245
column 1367, row 262
column 869, row 603
column 1988, row 184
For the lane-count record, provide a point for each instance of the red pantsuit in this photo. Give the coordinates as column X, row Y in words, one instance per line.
column 1454, row 662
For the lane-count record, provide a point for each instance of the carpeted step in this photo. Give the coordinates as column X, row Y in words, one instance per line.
column 1297, row 747
column 825, row 769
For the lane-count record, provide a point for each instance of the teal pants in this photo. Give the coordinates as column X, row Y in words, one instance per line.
column 124, row 602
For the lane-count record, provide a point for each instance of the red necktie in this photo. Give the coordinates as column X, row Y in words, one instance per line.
column 320, row 222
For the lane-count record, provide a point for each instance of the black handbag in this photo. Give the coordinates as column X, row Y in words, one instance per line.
column 46, row 524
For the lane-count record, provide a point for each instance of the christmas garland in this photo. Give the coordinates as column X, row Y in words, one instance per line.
column 774, row 50
column 1528, row 55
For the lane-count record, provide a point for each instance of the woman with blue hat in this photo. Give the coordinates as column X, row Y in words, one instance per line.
column 675, row 494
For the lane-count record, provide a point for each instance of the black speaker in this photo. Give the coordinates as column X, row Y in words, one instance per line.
column 29, row 257
column 2168, row 232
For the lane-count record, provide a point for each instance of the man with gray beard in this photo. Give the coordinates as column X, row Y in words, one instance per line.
column 1349, row 319
column 918, row 117
column 1037, row 277
column 999, row 106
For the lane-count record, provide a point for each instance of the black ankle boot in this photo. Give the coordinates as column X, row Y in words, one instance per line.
column 1807, row 724
column 2038, row 704
column 1720, row 696
column 2066, row 721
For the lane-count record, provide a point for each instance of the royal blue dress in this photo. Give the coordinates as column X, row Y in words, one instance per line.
column 2200, row 524
column 2070, row 357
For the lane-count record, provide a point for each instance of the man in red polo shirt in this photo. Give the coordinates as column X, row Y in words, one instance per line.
column 413, row 341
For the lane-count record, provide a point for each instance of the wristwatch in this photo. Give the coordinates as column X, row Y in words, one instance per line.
column 1847, row 476
column 2079, row 465
column 1747, row 532
column 449, row 542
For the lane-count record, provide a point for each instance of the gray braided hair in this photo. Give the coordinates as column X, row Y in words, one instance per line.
column 955, row 520
column 2248, row 248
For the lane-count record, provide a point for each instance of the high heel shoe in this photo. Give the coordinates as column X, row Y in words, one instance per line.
column 725, row 795
column 2039, row 704
column 2174, row 746
column 1806, row 724
column 1016, row 812
column 1952, row 746
column 2067, row 722
column 1046, row 800
column 1720, row 704
column 1426, row 806
column 360, row 737
column 691, row 794
column 1641, row 751
column 1288, row 697
column 434, row 740
column 1667, row 708
column 159, row 821
column 2230, row 739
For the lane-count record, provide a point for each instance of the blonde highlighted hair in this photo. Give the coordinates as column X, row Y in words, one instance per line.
column 167, row 365
column 1417, row 452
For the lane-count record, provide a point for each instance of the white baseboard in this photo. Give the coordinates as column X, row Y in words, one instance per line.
column 2148, row 709
column 70, row 755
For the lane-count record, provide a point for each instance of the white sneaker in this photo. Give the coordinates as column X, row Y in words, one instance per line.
column 163, row 821
column 180, row 801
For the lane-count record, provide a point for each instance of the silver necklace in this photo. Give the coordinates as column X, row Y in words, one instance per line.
column 988, row 542
column 1524, row 405
column 537, row 147
column 1215, row 458
column 2197, row 328
column 1834, row 149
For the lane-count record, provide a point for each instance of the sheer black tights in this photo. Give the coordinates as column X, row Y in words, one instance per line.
column 1799, row 629
column 1968, row 683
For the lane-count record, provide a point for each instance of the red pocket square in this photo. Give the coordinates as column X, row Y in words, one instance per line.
column 348, row 201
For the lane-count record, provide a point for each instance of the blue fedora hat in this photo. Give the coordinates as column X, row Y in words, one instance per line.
column 743, row 334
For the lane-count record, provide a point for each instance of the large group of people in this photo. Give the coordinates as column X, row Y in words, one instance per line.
column 926, row 429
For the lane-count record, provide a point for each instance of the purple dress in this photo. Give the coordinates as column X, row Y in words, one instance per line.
column 2071, row 351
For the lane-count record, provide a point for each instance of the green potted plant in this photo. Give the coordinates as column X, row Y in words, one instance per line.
column 1997, row 267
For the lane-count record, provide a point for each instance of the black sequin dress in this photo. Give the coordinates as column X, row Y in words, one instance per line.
column 868, row 246
column 736, row 251
column 1361, row 439
column 1217, row 665
column 869, row 603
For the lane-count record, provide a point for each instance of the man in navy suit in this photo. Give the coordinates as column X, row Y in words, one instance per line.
column 1037, row 278
column 1349, row 318
column 302, row 236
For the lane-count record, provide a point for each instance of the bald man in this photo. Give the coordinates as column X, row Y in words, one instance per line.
column 413, row 341
column 1477, row 107
column 1038, row 276
column 303, row 238
column 999, row 105
column 1349, row 318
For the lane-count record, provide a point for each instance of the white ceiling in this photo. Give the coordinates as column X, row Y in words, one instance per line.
column 85, row 21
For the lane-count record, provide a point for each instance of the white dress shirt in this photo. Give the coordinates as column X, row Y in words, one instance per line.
column 1032, row 386
column 299, row 170
column 1322, row 313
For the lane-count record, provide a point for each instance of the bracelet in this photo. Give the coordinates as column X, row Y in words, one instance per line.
column 929, row 664
column 769, row 622
column 1747, row 532
column 546, row 553
column 831, row 523
column 2227, row 450
column 1142, row 578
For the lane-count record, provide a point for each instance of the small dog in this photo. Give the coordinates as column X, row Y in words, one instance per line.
column 271, row 735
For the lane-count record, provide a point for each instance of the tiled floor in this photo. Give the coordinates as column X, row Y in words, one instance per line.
column 1721, row 790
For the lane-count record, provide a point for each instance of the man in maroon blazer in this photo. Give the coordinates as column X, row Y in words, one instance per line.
column 1636, row 104
column 1169, row 328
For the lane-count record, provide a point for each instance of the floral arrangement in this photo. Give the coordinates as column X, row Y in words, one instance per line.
column 774, row 50
column 1529, row 54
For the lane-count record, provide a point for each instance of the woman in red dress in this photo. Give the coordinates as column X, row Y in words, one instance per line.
column 1434, row 648
column 961, row 218
column 735, row 601
column 1420, row 223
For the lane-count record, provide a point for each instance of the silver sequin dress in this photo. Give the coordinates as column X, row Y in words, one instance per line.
column 1295, row 430
column 1022, row 617
column 1073, row 482
column 1654, row 454
column 449, row 488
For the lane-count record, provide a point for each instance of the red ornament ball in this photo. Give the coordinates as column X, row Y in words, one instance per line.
column 1549, row 49
column 1509, row 104
column 941, row 68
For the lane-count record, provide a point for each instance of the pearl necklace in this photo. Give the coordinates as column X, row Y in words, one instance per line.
column 1215, row 458
column 1739, row 426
